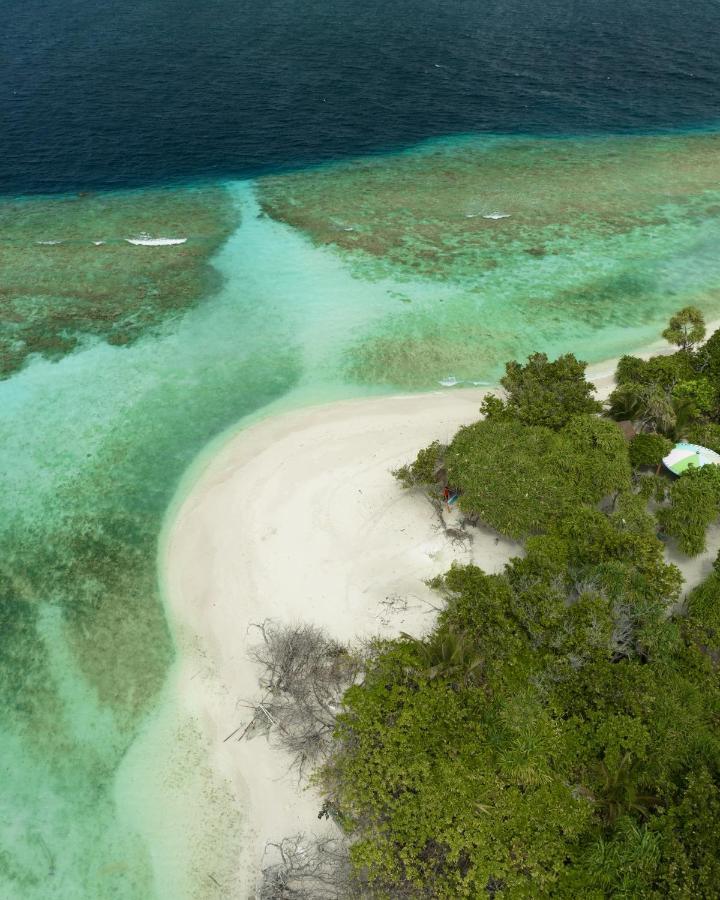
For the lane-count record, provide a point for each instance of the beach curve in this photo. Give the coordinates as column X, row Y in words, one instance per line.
column 297, row 518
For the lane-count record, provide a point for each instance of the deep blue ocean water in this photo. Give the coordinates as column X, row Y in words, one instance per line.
column 111, row 93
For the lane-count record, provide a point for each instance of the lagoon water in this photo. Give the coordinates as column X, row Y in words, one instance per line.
column 582, row 209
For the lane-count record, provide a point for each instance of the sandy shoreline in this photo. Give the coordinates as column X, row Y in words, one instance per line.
column 296, row 518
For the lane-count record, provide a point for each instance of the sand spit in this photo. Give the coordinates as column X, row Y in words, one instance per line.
column 297, row 518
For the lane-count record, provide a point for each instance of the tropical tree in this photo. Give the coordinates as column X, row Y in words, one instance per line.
column 654, row 407
column 648, row 450
column 700, row 392
column 548, row 393
column 623, row 864
column 685, row 415
column 708, row 356
column 707, row 434
column 694, row 504
column 686, row 328
column 689, row 864
column 520, row 479
column 626, row 402
column 629, row 369
column 658, row 411
column 667, row 370
column 703, row 613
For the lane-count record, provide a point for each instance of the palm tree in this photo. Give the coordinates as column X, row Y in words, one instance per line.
column 685, row 415
column 654, row 408
column 626, row 403
column 618, row 792
column 658, row 412
column 448, row 654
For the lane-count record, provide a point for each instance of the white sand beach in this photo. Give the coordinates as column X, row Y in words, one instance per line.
column 297, row 518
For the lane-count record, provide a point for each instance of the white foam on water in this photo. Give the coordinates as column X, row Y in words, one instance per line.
column 48, row 243
column 450, row 381
column 497, row 215
column 98, row 243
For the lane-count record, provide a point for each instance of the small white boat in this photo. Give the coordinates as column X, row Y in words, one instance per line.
column 144, row 240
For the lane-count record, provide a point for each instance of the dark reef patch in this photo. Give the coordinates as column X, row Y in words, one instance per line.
column 55, row 297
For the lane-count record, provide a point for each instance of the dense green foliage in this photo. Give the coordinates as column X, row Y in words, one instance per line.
column 548, row 393
column 649, row 450
column 694, row 504
column 519, row 479
column 707, row 434
column 700, row 392
column 665, row 371
column 422, row 471
column 703, row 619
column 556, row 734
column 709, row 356
column 677, row 394
column 655, row 408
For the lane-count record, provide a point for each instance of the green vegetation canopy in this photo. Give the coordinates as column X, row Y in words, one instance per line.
column 520, row 479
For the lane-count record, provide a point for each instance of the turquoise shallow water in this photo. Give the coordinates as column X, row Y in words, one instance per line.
column 354, row 279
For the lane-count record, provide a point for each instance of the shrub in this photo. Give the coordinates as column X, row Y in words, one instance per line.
column 648, row 450
column 707, row 435
column 548, row 393
column 422, row 471
column 521, row 479
column 694, row 503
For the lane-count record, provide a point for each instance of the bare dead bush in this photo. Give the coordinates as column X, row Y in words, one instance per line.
column 304, row 676
column 308, row 868
column 624, row 632
column 319, row 868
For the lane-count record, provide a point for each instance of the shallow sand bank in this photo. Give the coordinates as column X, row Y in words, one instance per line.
column 297, row 518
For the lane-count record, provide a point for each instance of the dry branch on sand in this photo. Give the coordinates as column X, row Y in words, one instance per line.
column 304, row 676
column 307, row 868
